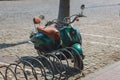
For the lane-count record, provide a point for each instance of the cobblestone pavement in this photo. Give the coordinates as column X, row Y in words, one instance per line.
column 100, row 29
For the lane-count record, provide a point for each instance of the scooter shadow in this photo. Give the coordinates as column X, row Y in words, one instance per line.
column 7, row 45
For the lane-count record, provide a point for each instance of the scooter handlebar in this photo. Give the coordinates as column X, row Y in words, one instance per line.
column 65, row 20
column 70, row 22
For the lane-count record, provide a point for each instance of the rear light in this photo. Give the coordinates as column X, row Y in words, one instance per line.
column 36, row 20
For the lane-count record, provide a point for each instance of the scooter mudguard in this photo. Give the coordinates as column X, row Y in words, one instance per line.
column 78, row 49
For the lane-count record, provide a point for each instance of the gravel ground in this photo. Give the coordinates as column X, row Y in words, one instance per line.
column 100, row 29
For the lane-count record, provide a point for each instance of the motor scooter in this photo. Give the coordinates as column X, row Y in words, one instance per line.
column 56, row 35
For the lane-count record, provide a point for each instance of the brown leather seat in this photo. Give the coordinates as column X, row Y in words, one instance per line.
column 51, row 32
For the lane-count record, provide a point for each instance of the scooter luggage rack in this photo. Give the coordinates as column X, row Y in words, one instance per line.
column 58, row 65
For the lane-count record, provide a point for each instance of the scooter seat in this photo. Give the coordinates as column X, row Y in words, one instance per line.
column 51, row 32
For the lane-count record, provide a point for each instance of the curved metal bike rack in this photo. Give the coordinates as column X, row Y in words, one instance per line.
column 58, row 65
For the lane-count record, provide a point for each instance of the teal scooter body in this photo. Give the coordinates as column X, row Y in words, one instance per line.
column 70, row 37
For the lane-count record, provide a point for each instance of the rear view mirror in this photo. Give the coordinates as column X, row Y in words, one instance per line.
column 82, row 8
column 42, row 17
